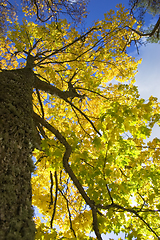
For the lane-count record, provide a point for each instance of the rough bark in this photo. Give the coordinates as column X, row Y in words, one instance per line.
column 16, row 137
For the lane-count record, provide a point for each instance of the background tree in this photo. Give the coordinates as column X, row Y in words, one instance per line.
column 54, row 9
column 7, row 12
column 42, row 10
column 92, row 162
column 151, row 6
column 139, row 8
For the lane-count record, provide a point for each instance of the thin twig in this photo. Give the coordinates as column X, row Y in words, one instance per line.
column 51, row 188
column 55, row 201
column 117, row 206
column 80, row 123
column 67, row 45
column 109, row 194
column 70, row 220
column 94, row 92
column 84, row 116
column 69, row 214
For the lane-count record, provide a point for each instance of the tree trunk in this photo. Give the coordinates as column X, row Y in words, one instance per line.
column 16, row 165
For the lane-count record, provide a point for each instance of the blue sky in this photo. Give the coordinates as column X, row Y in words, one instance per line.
column 97, row 8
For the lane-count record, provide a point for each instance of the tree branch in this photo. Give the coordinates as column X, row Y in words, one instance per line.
column 95, row 223
column 66, row 157
column 80, row 123
column 109, row 194
column 56, row 195
column 94, row 92
column 48, row 88
column 40, row 102
column 42, row 132
column 51, row 178
column 44, row 86
column 113, row 205
column 60, row 50
column 68, row 169
column 82, row 113
column 70, row 220
column 76, row 182
column 157, row 25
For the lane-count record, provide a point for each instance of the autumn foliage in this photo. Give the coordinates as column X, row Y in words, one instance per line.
column 95, row 169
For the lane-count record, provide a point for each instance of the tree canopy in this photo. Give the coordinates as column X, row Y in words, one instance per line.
column 95, row 169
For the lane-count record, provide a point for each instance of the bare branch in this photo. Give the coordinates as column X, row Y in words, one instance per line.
column 37, row 13
column 147, row 225
column 40, row 159
column 86, row 162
